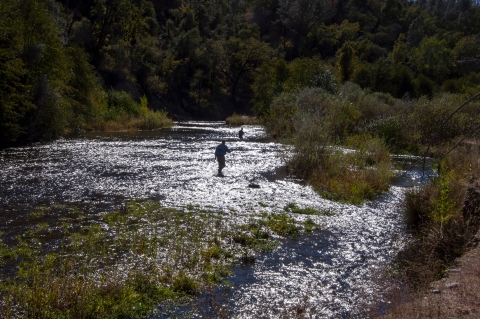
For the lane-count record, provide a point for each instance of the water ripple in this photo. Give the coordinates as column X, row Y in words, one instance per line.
column 329, row 270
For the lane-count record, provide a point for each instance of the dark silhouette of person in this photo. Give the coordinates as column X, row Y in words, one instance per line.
column 240, row 133
column 220, row 152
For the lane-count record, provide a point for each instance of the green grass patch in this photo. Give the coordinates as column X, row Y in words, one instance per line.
column 262, row 204
column 293, row 208
column 309, row 225
column 281, row 224
column 237, row 120
column 353, row 177
column 124, row 263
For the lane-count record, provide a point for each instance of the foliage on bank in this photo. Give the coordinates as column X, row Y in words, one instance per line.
column 127, row 263
column 208, row 59
column 440, row 220
column 238, row 120
column 303, row 103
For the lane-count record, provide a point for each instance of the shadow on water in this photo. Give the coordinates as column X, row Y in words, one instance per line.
column 97, row 172
column 410, row 171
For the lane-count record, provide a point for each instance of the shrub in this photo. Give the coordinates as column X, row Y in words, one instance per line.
column 120, row 102
column 121, row 112
column 441, row 225
column 237, row 120
column 278, row 122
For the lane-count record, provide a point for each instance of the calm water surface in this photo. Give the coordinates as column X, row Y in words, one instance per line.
column 329, row 270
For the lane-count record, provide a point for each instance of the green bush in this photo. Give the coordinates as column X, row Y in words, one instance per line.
column 120, row 102
column 322, row 120
column 438, row 221
column 238, row 120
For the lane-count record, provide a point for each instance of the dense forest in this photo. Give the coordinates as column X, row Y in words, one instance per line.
column 78, row 64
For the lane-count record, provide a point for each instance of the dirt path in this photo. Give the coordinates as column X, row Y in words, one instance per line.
column 455, row 296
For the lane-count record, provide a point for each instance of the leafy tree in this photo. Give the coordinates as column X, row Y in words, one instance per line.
column 366, row 13
column 368, row 51
column 278, row 77
column 363, row 76
column 400, row 51
column 416, row 32
column 240, row 59
column 307, row 72
column 117, row 26
column 299, row 17
column 433, row 58
column 391, row 11
column 85, row 95
column 385, row 76
column 467, row 47
column 423, row 86
column 446, row 8
column 469, row 21
column 14, row 101
column 48, row 70
column 402, row 82
column 386, row 35
column 346, row 61
column 326, row 40
column 267, row 84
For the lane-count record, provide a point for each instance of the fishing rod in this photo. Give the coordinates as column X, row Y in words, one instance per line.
column 424, row 157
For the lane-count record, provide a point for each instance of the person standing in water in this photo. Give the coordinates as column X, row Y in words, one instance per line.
column 240, row 133
column 220, row 152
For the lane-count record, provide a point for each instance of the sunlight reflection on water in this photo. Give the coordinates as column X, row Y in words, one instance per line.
column 330, row 270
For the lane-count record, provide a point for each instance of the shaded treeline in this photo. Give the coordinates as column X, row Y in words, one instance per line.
column 65, row 65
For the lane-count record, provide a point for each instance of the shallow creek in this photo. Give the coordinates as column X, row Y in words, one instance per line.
column 330, row 270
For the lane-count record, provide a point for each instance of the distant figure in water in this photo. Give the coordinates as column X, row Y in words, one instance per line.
column 220, row 152
column 240, row 133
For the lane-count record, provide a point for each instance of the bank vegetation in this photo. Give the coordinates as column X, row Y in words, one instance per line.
column 139, row 260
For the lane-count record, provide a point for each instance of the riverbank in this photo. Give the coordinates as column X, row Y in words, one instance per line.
column 456, row 294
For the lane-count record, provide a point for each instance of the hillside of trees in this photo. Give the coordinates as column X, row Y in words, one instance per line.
column 67, row 64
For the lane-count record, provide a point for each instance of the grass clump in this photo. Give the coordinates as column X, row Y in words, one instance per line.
column 309, row 225
column 262, row 204
column 281, row 224
column 293, row 208
column 121, row 112
column 351, row 177
column 315, row 122
column 124, row 263
column 238, row 120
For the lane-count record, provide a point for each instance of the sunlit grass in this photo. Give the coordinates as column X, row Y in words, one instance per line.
column 124, row 263
column 149, row 120
column 346, row 176
column 237, row 120
column 293, row 208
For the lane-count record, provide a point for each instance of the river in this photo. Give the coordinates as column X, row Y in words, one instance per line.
column 330, row 271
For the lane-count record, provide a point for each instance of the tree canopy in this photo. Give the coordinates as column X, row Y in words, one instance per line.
column 206, row 59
